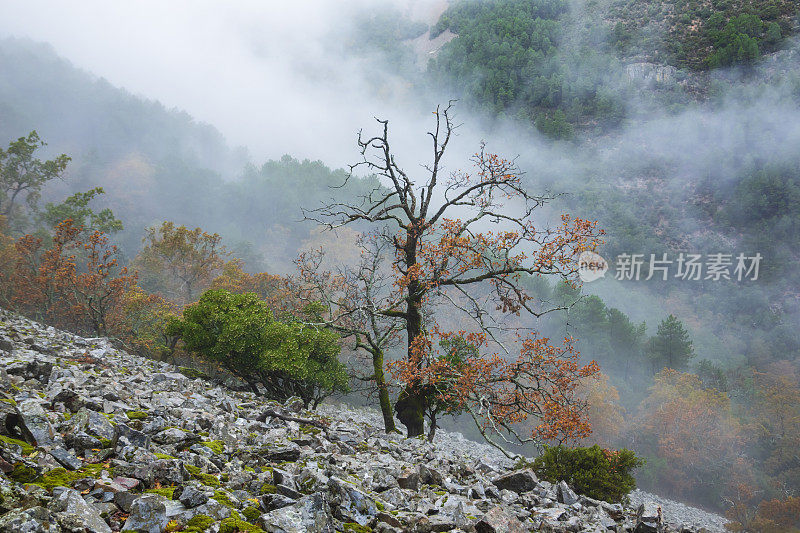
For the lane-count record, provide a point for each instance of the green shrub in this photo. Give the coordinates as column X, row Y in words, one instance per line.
column 593, row 472
column 285, row 358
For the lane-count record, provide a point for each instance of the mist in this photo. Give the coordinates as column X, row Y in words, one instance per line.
column 696, row 159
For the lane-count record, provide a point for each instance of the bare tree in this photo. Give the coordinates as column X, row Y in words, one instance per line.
column 435, row 230
column 351, row 298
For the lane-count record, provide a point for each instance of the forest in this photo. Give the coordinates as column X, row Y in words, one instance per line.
column 124, row 218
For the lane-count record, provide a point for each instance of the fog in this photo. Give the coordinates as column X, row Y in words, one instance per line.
column 680, row 173
column 270, row 76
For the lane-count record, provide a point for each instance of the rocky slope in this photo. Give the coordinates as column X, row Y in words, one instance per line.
column 94, row 439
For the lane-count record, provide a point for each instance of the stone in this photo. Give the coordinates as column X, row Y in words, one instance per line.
column 66, row 459
column 408, row 479
column 288, row 452
column 270, row 502
column 311, row 514
column 191, row 496
column 176, row 436
column 32, row 520
column 130, row 436
column 350, row 504
column 148, row 514
column 74, row 513
column 71, row 399
column 125, row 499
column 497, row 520
column 648, row 518
column 518, row 481
column 565, row 494
column 34, row 421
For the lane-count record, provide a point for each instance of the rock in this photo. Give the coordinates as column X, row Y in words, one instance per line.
column 288, row 452
column 34, row 422
column 270, row 502
column 408, row 479
column 148, row 514
column 127, row 435
column 518, row 481
column 6, row 345
column 565, row 494
column 32, row 520
column 176, row 436
column 294, row 405
column 350, row 504
column 651, row 72
column 311, row 514
column 66, row 459
column 498, row 520
column 125, row 499
column 71, row 399
column 648, row 518
column 192, row 496
column 75, row 514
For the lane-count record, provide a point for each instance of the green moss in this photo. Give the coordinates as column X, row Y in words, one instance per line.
column 379, row 505
column 10, row 401
column 249, row 469
column 27, row 449
column 163, row 456
column 252, row 513
column 164, row 491
column 310, row 430
column 223, row 498
column 23, row 473
column 194, row 470
column 61, row 477
column 266, row 488
column 198, row 524
column 236, row 525
column 203, row 433
column 216, row 446
column 208, row 480
column 106, row 443
column 137, row 415
column 192, row 373
column 440, row 492
column 355, row 527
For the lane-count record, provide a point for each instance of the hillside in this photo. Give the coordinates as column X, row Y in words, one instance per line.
column 99, row 440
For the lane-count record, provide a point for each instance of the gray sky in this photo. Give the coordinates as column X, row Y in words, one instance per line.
column 263, row 72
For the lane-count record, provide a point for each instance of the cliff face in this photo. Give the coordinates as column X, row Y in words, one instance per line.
column 94, row 439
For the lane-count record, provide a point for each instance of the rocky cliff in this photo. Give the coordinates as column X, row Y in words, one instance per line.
column 94, row 439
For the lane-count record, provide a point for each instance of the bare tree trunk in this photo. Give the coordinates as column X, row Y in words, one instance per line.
column 383, row 392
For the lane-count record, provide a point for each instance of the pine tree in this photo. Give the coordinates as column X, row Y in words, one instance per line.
column 671, row 347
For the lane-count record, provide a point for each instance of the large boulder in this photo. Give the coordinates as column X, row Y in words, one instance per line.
column 148, row 514
column 497, row 520
column 75, row 514
column 31, row 520
column 648, row 518
column 518, row 481
column 565, row 494
column 311, row 514
column 350, row 504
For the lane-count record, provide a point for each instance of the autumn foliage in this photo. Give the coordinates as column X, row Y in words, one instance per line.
column 75, row 283
column 529, row 398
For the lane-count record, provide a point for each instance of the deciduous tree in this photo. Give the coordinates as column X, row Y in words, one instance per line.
column 179, row 262
column 463, row 240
